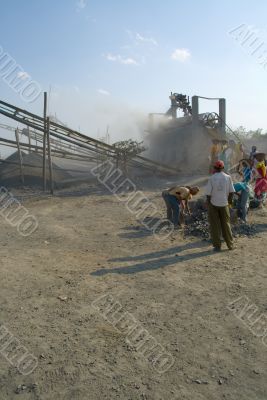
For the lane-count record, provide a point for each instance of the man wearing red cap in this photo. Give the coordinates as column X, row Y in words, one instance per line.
column 220, row 191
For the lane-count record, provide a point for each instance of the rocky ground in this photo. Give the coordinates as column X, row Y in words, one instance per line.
column 89, row 245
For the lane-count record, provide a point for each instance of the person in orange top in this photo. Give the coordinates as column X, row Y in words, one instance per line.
column 175, row 198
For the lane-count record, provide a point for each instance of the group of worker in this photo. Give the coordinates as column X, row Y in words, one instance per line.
column 221, row 194
column 229, row 152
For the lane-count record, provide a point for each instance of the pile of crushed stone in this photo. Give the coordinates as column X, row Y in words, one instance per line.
column 197, row 225
column 241, row 229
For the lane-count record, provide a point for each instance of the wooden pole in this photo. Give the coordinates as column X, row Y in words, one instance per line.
column 29, row 137
column 20, row 156
column 49, row 157
column 44, row 142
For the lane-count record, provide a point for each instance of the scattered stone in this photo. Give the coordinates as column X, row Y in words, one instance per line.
column 20, row 388
column 220, row 381
column 62, row 298
column 200, row 381
column 256, row 371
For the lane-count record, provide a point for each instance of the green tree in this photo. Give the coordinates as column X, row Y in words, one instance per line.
column 126, row 150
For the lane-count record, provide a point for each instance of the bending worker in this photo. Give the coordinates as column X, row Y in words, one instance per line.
column 242, row 191
column 220, row 191
column 175, row 198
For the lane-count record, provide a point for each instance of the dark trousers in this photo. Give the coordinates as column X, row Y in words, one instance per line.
column 173, row 207
column 242, row 205
column 219, row 219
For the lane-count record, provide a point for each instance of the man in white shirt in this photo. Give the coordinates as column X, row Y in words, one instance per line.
column 220, row 191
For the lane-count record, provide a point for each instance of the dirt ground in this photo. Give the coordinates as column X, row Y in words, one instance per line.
column 88, row 245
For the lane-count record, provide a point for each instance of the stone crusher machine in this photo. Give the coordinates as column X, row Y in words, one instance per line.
column 179, row 101
column 216, row 123
column 184, row 141
column 210, row 119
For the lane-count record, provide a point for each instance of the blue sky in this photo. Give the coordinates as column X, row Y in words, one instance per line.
column 112, row 62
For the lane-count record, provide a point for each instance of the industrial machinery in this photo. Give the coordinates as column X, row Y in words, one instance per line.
column 179, row 101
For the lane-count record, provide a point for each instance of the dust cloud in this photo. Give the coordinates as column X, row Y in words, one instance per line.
column 94, row 114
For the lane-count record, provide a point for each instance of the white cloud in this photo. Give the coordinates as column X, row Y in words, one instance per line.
column 81, row 4
column 120, row 59
column 110, row 57
column 143, row 39
column 76, row 88
column 23, row 75
column 181, row 55
column 128, row 61
column 103, row 91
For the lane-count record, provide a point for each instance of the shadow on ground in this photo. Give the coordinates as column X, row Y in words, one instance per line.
column 152, row 261
column 161, row 253
column 147, row 227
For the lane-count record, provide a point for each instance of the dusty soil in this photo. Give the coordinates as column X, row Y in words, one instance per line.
column 88, row 245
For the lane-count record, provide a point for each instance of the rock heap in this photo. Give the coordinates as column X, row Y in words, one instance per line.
column 197, row 224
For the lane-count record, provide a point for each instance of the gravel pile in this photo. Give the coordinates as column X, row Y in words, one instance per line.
column 241, row 229
column 198, row 226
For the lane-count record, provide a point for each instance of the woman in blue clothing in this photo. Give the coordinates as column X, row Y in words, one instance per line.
column 246, row 171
